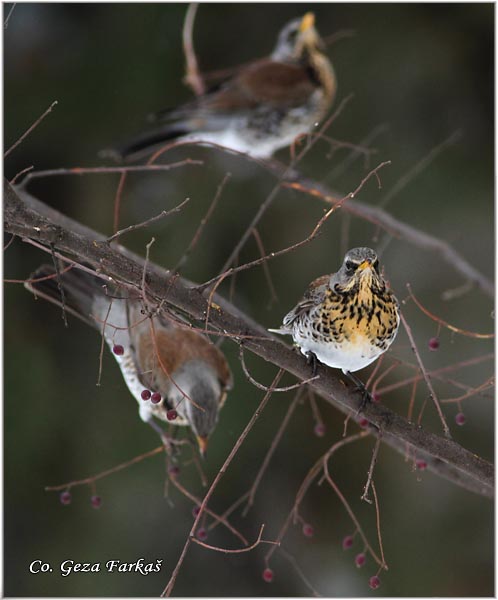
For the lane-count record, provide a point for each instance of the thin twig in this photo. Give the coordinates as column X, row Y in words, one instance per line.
column 108, row 170
column 30, row 129
column 427, row 379
column 192, row 77
column 377, row 515
column 218, row 519
column 349, row 510
column 161, row 215
column 266, row 268
column 271, row 451
column 117, row 200
column 370, row 471
column 260, row 386
column 93, row 478
column 171, row 583
column 481, row 336
column 7, row 18
column 183, row 259
column 22, row 172
column 238, row 550
column 419, row 167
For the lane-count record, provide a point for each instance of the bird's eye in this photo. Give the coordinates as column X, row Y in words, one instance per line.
column 293, row 35
column 351, row 266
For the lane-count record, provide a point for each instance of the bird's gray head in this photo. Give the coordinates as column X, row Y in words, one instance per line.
column 297, row 37
column 197, row 380
column 357, row 263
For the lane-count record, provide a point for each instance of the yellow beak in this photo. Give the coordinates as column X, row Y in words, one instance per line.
column 364, row 265
column 202, row 442
column 307, row 22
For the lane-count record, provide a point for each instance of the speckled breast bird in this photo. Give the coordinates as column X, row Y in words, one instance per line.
column 348, row 319
column 176, row 374
column 264, row 106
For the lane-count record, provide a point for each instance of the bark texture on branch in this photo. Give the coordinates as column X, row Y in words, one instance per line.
column 27, row 217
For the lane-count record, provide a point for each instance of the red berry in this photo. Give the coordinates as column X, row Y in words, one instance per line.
column 363, row 423
column 420, row 464
column 460, row 419
column 308, row 530
column 145, row 395
column 347, row 542
column 376, row 397
column 174, row 470
column 65, row 497
column 374, row 582
column 434, row 344
column 96, row 501
column 171, row 414
column 360, row 559
column 155, row 398
column 268, row 575
column 319, row 430
column 202, row 534
column 195, row 510
column 118, row 350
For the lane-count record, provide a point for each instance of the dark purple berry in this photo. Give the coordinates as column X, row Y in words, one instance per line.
column 145, row 395
column 460, row 419
column 195, row 510
column 376, row 397
column 360, row 559
column 374, row 582
column 118, row 350
column 96, row 501
column 155, row 398
column 319, row 430
column 65, row 497
column 268, row 575
column 202, row 534
column 434, row 344
column 420, row 464
column 308, row 530
column 363, row 423
column 171, row 414
column 347, row 542
column 174, row 470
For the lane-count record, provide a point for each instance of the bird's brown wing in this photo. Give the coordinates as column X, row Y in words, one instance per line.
column 314, row 295
column 267, row 82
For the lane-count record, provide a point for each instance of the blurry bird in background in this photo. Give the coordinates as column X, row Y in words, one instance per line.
column 264, row 106
column 348, row 319
column 175, row 374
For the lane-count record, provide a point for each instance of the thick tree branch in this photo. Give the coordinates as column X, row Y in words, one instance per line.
column 27, row 217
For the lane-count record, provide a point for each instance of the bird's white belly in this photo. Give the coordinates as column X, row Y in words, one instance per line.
column 348, row 357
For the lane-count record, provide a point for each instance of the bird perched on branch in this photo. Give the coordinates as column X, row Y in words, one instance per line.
column 176, row 374
column 264, row 106
column 348, row 319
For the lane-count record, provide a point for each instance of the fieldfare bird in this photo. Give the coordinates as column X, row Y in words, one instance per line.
column 348, row 319
column 176, row 374
column 264, row 106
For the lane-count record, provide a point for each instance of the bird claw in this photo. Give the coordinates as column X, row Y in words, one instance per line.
column 312, row 360
column 366, row 396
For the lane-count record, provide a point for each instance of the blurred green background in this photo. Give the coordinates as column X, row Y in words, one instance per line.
column 419, row 73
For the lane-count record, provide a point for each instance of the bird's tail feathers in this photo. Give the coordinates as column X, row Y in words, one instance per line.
column 281, row 331
column 143, row 144
column 74, row 290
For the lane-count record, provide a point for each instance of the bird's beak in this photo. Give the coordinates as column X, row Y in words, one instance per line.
column 202, row 443
column 307, row 22
column 366, row 264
